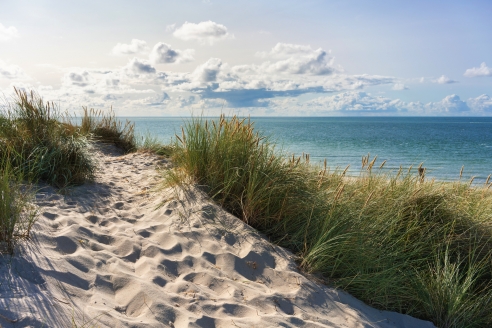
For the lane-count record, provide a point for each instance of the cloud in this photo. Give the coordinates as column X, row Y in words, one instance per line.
column 77, row 78
column 287, row 72
column 159, row 100
column 247, row 85
column 399, row 87
column 208, row 71
column 284, row 50
column 480, row 105
column 135, row 46
column 12, row 72
column 363, row 103
column 445, row 80
column 290, row 71
column 451, row 104
column 483, row 70
column 251, row 90
column 297, row 59
column 8, row 33
column 252, row 97
column 355, row 102
column 162, row 53
column 176, row 105
column 138, row 67
column 204, row 32
column 103, row 83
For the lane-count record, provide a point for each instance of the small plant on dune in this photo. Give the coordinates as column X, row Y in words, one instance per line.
column 397, row 242
column 105, row 127
column 151, row 144
column 17, row 215
column 455, row 294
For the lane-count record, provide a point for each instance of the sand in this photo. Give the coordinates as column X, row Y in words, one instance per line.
column 117, row 253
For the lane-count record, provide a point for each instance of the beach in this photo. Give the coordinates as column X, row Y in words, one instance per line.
column 122, row 252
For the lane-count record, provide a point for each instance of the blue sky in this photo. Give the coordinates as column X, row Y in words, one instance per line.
column 306, row 58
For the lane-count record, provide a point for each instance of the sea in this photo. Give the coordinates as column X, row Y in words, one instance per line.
column 443, row 145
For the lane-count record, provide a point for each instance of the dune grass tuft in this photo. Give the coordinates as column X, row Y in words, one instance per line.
column 17, row 215
column 398, row 242
column 40, row 145
column 151, row 144
column 105, row 127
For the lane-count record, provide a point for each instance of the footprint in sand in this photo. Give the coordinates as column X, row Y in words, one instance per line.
column 119, row 205
column 50, row 216
column 158, row 280
column 105, row 239
column 93, row 219
column 65, row 245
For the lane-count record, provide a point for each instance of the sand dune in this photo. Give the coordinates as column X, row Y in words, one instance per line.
column 116, row 254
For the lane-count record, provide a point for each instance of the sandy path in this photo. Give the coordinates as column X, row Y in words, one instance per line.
column 103, row 252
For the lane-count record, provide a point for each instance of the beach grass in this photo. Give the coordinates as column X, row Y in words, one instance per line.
column 17, row 215
column 41, row 144
column 105, row 127
column 395, row 241
column 148, row 143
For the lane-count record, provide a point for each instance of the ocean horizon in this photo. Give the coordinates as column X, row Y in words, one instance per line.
column 442, row 144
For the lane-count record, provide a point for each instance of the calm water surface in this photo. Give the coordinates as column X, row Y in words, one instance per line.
column 444, row 145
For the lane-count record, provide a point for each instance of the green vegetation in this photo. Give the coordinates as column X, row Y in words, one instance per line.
column 16, row 213
column 37, row 143
column 397, row 242
column 108, row 129
column 40, row 145
column 151, row 144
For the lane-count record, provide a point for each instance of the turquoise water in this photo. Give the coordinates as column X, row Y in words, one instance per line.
column 444, row 145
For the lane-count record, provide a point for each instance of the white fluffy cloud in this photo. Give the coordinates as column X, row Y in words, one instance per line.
column 12, row 72
column 481, row 104
column 451, row 104
column 445, row 80
column 204, row 32
column 297, row 59
column 160, row 99
column 77, row 78
column 208, row 71
column 355, row 102
column 483, row 70
column 399, row 86
column 362, row 103
column 282, row 50
column 135, row 46
column 105, row 83
column 138, row 67
column 162, row 53
column 8, row 33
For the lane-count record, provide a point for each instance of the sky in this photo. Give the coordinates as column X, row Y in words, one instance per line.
column 258, row 58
